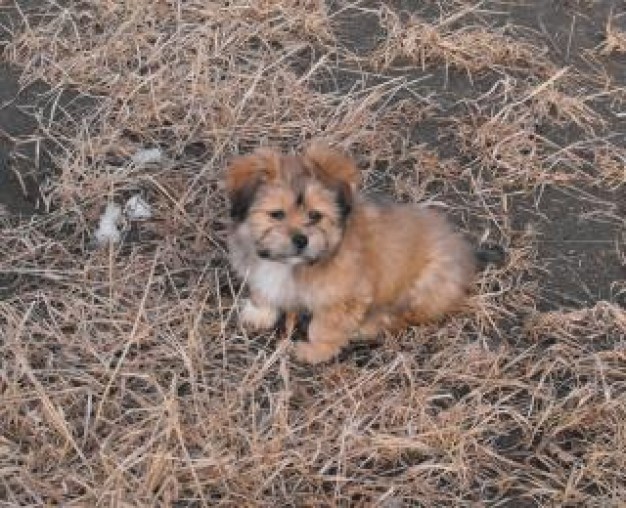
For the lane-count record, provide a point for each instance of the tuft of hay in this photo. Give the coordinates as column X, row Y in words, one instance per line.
column 455, row 42
column 615, row 38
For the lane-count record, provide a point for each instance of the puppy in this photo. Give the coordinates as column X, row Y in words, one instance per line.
column 303, row 239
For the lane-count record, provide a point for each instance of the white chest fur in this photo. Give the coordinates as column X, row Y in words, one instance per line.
column 274, row 282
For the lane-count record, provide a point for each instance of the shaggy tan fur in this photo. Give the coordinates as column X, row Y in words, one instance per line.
column 304, row 240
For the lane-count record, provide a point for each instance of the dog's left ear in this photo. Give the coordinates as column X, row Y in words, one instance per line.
column 335, row 170
column 244, row 176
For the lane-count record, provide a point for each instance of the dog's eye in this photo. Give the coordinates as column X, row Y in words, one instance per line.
column 315, row 216
column 277, row 214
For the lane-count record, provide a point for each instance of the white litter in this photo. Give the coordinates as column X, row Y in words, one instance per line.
column 136, row 208
column 107, row 231
column 147, row 156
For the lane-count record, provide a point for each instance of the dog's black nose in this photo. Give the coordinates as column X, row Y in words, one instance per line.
column 299, row 241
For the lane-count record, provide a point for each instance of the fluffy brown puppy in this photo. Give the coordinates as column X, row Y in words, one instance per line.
column 303, row 239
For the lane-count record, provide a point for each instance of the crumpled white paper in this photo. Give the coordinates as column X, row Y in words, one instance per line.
column 108, row 231
column 147, row 156
column 137, row 208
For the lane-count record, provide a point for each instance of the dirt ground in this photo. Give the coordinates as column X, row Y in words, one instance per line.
column 14, row 195
column 125, row 376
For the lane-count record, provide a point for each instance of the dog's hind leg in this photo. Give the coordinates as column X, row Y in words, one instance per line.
column 378, row 322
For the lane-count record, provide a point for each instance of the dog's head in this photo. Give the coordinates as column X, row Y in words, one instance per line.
column 294, row 207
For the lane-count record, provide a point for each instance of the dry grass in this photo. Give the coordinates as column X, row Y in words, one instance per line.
column 126, row 379
column 457, row 42
column 615, row 41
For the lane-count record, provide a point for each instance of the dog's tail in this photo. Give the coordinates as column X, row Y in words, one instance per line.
column 489, row 254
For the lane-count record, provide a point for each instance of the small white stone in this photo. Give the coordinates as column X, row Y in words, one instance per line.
column 137, row 208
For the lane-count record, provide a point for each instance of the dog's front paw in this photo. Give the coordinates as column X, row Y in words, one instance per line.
column 258, row 317
column 315, row 352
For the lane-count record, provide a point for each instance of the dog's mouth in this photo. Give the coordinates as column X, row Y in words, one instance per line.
column 289, row 259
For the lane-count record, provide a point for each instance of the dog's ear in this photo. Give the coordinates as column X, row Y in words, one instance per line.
column 345, row 200
column 244, row 176
column 330, row 165
column 337, row 171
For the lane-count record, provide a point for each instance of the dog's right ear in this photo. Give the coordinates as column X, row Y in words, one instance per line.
column 336, row 170
column 245, row 175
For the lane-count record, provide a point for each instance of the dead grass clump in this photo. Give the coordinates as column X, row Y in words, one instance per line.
column 511, row 149
column 417, row 170
column 615, row 38
column 472, row 48
column 565, row 110
column 610, row 162
column 603, row 321
column 517, row 129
